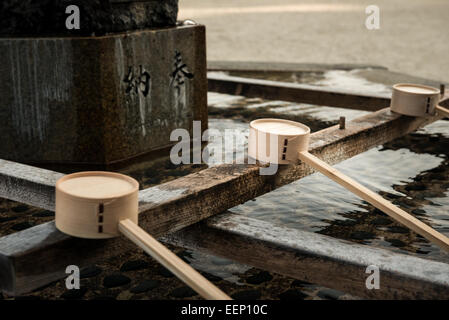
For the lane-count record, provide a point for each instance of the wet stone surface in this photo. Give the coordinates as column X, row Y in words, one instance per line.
column 107, row 282
column 292, row 294
column 247, row 295
column 115, row 280
column 145, row 286
column 140, row 86
column 134, row 265
column 89, row 272
column 259, row 278
column 74, row 294
column 48, row 17
column 183, row 292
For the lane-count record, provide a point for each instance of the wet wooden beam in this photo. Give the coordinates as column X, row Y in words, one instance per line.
column 300, row 93
column 39, row 255
column 28, row 184
column 316, row 258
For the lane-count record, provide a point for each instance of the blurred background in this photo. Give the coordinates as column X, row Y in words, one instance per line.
column 413, row 36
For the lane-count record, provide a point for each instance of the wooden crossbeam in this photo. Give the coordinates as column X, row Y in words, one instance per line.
column 28, row 184
column 300, row 93
column 39, row 255
column 316, row 258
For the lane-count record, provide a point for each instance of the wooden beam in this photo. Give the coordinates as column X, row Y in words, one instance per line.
column 28, row 184
column 300, row 93
column 316, row 258
column 36, row 256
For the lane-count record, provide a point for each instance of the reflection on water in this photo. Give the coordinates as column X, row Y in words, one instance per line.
column 350, row 80
column 319, row 203
column 410, row 171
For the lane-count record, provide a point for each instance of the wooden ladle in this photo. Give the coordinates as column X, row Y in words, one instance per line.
column 99, row 205
column 283, row 141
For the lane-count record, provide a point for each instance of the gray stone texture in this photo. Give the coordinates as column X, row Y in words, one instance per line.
column 98, row 17
column 100, row 100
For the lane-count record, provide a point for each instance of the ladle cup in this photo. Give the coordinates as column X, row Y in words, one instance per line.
column 416, row 100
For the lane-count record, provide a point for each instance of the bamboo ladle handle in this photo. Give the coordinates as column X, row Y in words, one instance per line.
column 171, row 261
column 377, row 201
column 443, row 111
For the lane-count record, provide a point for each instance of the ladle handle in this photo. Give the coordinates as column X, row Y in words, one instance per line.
column 171, row 261
column 443, row 111
column 373, row 198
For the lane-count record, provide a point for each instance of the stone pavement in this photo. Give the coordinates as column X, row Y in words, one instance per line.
column 413, row 37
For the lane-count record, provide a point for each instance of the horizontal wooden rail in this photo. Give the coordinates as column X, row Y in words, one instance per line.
column 28, row 184
column 316, row 258
column 36, row 256
column 300, row 93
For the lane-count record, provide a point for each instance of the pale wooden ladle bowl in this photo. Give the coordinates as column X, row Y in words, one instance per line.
column 99, row 205
column 416, row 100
column 283, row 141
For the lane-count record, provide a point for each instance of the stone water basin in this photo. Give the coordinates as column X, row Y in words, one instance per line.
column 411, row 171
